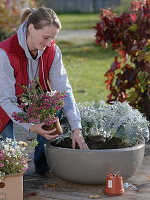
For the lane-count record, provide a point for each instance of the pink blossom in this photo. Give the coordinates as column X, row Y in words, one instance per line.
column 1, row 165
column 23, row 162
column 2, row 157
column 25, row 169
column 38, row 106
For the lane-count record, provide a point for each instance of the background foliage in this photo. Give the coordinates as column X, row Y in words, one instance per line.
column 129, row 35
column 10, row 15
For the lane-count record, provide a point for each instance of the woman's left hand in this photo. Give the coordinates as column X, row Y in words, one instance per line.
column 77, row 138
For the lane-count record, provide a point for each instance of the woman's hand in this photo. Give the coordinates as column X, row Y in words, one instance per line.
column 77, row 138
column 37, row 128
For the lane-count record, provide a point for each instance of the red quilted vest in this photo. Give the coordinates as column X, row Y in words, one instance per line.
column 19, row 61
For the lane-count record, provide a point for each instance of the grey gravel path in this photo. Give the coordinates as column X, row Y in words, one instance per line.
column 76, row 34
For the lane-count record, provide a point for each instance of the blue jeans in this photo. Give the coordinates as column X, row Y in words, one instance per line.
column 8, row 131
column 40, row 162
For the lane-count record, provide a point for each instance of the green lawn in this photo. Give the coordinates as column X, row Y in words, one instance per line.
column 86, row 65
column 78, row 21
column 85, row 62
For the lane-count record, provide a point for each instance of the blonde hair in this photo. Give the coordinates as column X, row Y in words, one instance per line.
column 40, row 17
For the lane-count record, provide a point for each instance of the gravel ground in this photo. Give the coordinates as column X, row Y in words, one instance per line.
column 76, row 34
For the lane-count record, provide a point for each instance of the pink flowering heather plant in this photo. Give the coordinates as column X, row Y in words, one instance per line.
column 39, row 106
column 14, row 156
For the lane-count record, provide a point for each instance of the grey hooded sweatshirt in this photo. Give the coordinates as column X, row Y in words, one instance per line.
column 57, row 76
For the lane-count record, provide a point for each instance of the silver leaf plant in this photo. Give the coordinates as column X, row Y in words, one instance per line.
column 117, row 120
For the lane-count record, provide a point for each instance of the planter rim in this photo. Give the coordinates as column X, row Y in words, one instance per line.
column 98, row 150
column 17, row 174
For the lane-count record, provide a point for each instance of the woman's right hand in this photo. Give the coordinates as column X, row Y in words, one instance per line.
column 37, row 128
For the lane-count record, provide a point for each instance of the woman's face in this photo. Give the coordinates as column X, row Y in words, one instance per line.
column 41, row 38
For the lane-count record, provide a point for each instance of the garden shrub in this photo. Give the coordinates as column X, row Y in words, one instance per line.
column 129, row 34
column 10, row 15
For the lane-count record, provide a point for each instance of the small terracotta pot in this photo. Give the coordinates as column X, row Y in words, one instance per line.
column 114, row 185
column 55, row 125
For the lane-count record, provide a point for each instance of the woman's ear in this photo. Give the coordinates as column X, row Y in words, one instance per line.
column 31, row 27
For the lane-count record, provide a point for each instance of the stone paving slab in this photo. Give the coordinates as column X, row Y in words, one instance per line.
column 56, row 189
column 37, row 187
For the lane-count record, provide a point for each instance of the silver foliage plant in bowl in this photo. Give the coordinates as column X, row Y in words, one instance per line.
column 107, row 121
column 115, row 135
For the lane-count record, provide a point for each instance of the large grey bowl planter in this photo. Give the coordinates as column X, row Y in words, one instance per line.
column 92, row 166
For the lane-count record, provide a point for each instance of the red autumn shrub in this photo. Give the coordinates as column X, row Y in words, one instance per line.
column 129, row 34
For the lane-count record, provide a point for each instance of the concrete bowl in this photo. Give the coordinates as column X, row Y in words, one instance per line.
column 92, row 166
